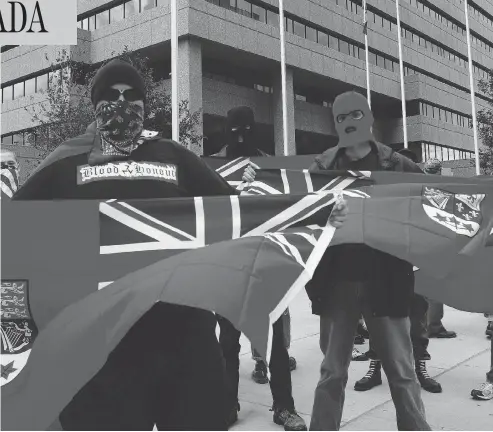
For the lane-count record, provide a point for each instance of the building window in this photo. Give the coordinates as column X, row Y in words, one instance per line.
column 147, row 4
column 245, row 7
column 289, row 25
column 323, row 38
column 102, row 19
column 117, row 13
column 19, row 90
column 298, row 29
column 42, row 82
column 344, row 47
column 272, row 18
column 259, row 13
column 30, row 86
column 18, row 139
column 311, row 34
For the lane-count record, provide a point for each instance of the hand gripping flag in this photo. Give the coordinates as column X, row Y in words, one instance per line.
column 259, row 254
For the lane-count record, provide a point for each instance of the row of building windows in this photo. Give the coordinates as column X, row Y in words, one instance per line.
column 29, row 86
column 445, row 115
column 25, row 138
column 434, row 151
column 481, row 15
column 4, row 48
column 117, row 13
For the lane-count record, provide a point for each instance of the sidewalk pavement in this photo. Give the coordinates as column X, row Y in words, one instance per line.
column 459, row 364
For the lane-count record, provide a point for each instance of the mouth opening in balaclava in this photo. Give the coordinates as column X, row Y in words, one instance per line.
column 353, row 119
column 240, row 126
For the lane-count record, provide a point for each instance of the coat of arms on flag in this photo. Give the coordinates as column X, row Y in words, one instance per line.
column 458, row 212
column 17, row 328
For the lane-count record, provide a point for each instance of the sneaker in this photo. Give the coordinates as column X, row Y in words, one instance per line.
column 484, row 392
column 290, row 419
column 259, row 374
column 359, row 340
column 427, row 382
column 489, row 329
column 442, row 334
column 359, row 356
column 372, row 378
column 363, row 331
column 232, row 416
column 292, row 364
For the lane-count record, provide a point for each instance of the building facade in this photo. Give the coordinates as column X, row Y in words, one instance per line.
column 229, row 55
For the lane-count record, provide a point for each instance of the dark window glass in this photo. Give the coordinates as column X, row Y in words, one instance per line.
column 311, row 34
column 299, row 29
column 19, row 90
column 273, row 18
column 7, row 140
column 30, row 86
column 380, row 61
column 362, row 54
column 245, row 7
column 258, row 13
column 18, row 139
column 344, row 47
column 147, row 4
column 289, row 25
column 323, row 38
column 42, row 82
column 116, row 13
column 355, row 51
column 333, row 42
column 132, row 8
column 103, row 19
column 372, row 58
column 92, row 23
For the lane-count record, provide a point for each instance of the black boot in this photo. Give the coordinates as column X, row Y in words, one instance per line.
column 259, row 374
column 427, row 383
column 372, row 378
column 232, row 415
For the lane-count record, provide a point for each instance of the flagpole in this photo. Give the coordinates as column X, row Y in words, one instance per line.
column 401, row 67
column 471, row 84
column 365, row 30
column 283, row 79
column 175, row 115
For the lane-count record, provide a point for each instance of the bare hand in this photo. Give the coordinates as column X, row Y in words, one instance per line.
column 339, row 213
column 250, row 173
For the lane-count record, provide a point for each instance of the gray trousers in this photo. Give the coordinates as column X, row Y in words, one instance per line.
column 391, row 339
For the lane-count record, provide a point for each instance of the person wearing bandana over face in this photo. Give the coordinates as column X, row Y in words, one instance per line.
column 9, row 180
column 355, row 279
column 168, row 370
column 240, row 133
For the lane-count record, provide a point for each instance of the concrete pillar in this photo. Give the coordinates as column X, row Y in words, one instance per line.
column 190, row 82
column 277, row 113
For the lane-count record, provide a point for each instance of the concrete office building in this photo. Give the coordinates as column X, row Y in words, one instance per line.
column 229, row 53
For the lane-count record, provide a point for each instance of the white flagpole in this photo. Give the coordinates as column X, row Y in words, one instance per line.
column 283, row 78
column 401, row 67
column 365, row 24
column 175, row 115
column 471, row 84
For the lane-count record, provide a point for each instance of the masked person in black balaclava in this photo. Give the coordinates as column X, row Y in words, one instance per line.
column 240, row 135
column 168, row 370
column 240, row 130
column 354, row 280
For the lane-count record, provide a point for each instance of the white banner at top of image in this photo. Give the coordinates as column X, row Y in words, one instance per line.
column 38, row 22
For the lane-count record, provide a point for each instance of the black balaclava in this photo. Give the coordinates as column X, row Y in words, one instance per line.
column 353, row 119
column 240, row 125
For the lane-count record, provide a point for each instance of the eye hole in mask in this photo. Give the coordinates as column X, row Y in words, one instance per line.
column 355, row 115
column 130, row 95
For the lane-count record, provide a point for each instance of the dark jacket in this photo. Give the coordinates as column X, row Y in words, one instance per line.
column 392, row 281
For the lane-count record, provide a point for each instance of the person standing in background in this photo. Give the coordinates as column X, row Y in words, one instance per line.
column 435, row 312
